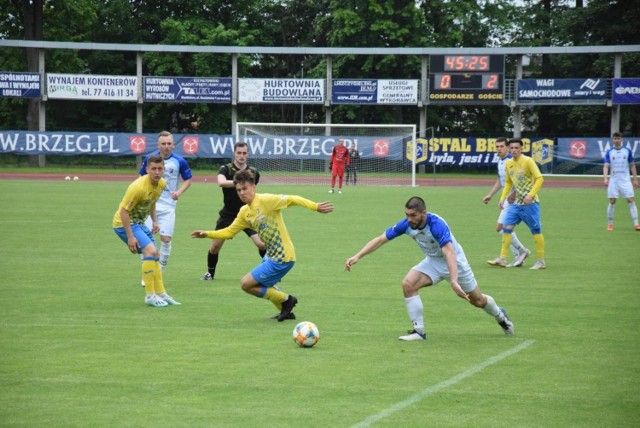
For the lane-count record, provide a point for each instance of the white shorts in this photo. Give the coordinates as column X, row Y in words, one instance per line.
column 619, row 188
column 436, row 268
column 166, row 221
column 503, row 211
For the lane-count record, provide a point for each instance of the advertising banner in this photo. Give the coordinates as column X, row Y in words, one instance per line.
column 562, row 91
column 626, row 91
column 470, row 151
column 372, row 91
column 187, row 89
column 197, row 145
column 281, row 91
column 20, row 85
column 592, row 150
column 473, row 151
column 92, row 87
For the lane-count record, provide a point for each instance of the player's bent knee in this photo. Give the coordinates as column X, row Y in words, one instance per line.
column 478, row 302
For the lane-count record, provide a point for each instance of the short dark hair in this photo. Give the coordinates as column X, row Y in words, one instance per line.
column 155, row 159
column 516, row 140
column 617, row 134
column 239, row 144
column 416, row 203
column 501, row 140
column 244, row 176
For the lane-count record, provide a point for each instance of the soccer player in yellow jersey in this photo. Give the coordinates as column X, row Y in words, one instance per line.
column 262, row 213
column 523, row 175
column 128, row 223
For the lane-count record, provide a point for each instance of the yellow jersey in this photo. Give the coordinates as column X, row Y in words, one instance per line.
column 265, row 217
column 140, row 197
column 525, row 176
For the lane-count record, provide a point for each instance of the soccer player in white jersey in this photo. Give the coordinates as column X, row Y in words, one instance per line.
column 519, row 251
column 618, row 168
column 444, row 259
column 175, row 168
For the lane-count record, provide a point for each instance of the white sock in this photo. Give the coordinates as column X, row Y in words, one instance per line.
column 491, row 308
column 414, row 309
column 165, row 252
column 515, row 242
column 634, row 212
column 610, row 209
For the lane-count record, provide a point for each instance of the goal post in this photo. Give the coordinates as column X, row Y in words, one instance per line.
column 296, row 153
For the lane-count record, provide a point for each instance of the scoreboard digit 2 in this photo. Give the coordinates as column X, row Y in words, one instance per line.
column 466, row 79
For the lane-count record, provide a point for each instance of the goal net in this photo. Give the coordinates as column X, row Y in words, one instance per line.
column 287, row 153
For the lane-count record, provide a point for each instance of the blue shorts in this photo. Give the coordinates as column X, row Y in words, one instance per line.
column 530, row 214
column 269, row 273
column 140, row 231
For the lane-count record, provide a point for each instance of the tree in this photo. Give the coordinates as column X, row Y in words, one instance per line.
column 334, row 23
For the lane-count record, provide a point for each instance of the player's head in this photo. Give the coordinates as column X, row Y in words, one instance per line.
column 617, row 139
column 341, row 142
column 165, row 143
column 502, row 147
column 245, row 184
column 155, row 167
column 240, row 152
column 416, row 211
column 515, row 147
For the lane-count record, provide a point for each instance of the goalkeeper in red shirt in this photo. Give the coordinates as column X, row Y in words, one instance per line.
column 339, row 158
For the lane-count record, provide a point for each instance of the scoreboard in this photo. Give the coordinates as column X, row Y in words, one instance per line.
column 466, row 79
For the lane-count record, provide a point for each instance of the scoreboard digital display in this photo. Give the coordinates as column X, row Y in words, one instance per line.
column 466, row 79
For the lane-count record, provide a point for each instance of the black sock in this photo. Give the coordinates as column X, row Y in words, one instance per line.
column 212, row 262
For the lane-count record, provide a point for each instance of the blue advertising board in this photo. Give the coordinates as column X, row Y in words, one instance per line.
column 20, row 85
column 561, row 91
column 592, row 150
column 196, row 145
column 626, row 91
column 461, row 151
column 352, row 91
column 187, row 89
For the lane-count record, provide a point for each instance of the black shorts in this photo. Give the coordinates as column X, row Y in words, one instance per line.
column 224, row 221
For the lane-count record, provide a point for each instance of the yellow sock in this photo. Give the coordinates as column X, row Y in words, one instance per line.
column 506, row 242
column 159, row 282
column 539, row 240
column 276, row 297
column 148, row 274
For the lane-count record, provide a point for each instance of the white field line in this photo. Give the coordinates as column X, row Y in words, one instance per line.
column 442, row 385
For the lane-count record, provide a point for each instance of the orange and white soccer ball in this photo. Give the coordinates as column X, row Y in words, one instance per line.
column 306, row 334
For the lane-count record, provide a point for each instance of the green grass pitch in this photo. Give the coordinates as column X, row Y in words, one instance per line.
column 79, row 348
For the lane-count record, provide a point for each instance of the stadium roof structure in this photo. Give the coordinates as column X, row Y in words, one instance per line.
column 610, row 49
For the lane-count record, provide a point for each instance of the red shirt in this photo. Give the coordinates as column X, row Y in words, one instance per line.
column 340, row 156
